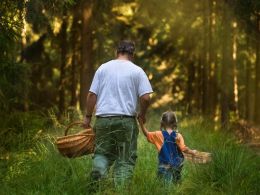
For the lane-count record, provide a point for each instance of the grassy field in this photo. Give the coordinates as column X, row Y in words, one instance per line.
column 30, row 163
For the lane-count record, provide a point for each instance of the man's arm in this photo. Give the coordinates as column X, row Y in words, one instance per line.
column 144, row 104
column 145, row 131
column 91, row 102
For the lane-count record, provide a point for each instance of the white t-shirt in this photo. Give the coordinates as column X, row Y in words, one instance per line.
column 118, row 84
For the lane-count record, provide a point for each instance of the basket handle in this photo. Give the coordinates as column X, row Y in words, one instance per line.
column 71, row 125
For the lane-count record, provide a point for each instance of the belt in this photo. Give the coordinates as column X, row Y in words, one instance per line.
column 118, row 116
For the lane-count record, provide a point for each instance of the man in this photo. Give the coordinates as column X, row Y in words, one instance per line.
column 115, row 90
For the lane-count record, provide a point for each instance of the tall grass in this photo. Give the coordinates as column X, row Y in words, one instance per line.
column 37, row 168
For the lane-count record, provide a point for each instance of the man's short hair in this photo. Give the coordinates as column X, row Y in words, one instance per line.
column 126, row 47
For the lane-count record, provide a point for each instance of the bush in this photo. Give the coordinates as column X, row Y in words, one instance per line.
column 14, row 83
column 19, row 130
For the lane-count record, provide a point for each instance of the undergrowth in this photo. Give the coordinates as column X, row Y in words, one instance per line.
column 31, row 164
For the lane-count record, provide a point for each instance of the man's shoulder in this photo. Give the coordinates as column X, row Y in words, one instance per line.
column 137, row 67
column 124, row 63
column 105, row 64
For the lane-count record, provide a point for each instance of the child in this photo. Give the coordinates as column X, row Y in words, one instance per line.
column 170, row 145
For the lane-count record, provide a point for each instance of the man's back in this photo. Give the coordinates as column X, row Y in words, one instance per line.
column 118, row 84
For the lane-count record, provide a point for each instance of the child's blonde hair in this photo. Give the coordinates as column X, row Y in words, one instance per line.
column 169, row 119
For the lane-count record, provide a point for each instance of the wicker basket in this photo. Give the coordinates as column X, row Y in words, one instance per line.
column 199, row 157
column 76, row 145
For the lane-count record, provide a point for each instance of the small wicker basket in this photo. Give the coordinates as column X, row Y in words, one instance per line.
column 199, row 157
column 76, row 145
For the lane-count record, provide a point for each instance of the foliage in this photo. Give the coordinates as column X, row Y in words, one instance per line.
column 14, row 84
column 10, row 25
column 14, row 79
column 20, row 131
column 247, row 11
column 181, row 47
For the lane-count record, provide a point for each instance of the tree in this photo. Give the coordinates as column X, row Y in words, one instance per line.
column 205, row 59
column 226, row 73
column 213, row 83
column 257, row 68
column 63, row 61
column 87, row 66
column 74, row 40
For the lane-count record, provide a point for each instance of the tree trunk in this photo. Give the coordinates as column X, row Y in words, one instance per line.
column 250, row 83
column 63, row 45
column 257, row 67
column 205, row 54
column 190, row 86
column 198, row 76
column 74, row 34
column 87, row 67
column 226, row 76
column 73, row 87
column 23, row 46
column 235, row 72
column 212, row 94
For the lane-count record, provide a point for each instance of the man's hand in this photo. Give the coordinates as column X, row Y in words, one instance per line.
column 141, row 118
column 141, row 122
column 86, row 122
column 91, row 102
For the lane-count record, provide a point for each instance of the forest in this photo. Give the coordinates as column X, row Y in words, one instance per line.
column 202, row 59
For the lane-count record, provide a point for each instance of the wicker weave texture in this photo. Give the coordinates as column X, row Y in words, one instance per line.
column 199, row 157
column 76, row 145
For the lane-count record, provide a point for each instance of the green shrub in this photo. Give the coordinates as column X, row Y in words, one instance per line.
column 14, row 84
column 20, row 130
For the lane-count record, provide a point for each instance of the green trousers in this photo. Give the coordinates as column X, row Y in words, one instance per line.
column 116, row 143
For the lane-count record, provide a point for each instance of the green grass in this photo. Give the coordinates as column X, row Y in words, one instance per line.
column 31, row 164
